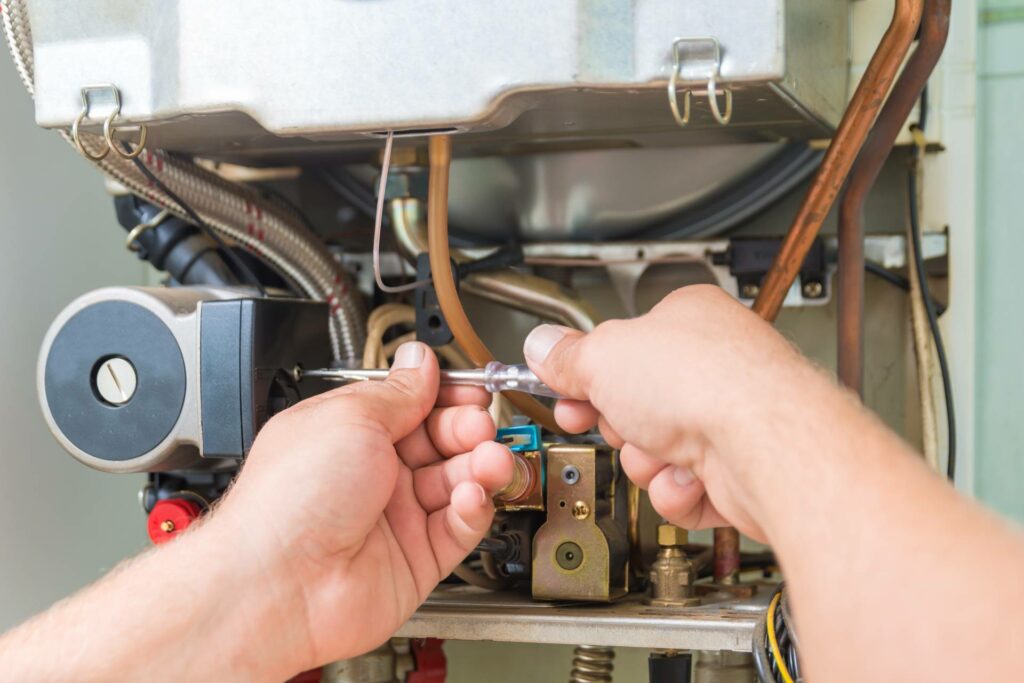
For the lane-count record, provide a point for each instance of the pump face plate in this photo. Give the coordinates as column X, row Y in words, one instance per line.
column 97, row 333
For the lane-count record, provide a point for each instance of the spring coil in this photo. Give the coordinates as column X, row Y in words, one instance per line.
column 592, row 664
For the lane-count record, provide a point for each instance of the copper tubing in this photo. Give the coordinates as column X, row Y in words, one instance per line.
column 850, row 280
column 444, row 283
column 727, row 555
column 846, row 144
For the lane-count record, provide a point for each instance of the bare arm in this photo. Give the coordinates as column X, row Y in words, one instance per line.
column 349, row 510
column 894, row 576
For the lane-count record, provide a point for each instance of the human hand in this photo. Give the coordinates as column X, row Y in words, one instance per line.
column 667, row 388
column 359, row 501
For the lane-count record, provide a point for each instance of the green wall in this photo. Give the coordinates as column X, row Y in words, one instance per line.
column 999, row 461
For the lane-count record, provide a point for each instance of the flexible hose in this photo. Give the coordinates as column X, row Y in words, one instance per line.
column 19, row 41
column 444, row 282
column 231, row 209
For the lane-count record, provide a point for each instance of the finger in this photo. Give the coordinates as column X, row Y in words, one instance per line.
column 460, row 394
column 489, row 465
column 396, row 405
column 678, row 496
column 575, row 417
column 557, row 355
column 611, row 437
column 456, row 529
column 459, row 429
column 640, row 467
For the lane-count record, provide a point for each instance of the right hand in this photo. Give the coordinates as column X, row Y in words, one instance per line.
column 676, row 390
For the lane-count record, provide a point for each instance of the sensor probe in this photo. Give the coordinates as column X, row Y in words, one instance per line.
column 494, row 377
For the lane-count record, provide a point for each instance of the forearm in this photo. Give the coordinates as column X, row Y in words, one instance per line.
column 881, row 555
column 184, row 611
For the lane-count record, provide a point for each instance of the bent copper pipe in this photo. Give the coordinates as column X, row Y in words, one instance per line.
column 850, row 277
column 846, row 144
column 839, row 158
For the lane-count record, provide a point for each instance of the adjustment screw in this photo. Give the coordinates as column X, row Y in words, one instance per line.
column 750, row 291
column 813, row 289
column 114, row 381
column 580, row 510
column 570, row 474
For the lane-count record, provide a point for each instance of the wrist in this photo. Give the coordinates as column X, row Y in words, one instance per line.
column 257, row 608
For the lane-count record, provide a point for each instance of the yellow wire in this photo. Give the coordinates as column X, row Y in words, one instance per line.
column 773, row 641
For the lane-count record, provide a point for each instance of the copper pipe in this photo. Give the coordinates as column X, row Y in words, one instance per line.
column 846, row 144
column 850, row 279
column 444, row 282
column 727, row 555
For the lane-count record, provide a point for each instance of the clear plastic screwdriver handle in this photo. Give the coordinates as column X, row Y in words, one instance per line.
column 496, row 376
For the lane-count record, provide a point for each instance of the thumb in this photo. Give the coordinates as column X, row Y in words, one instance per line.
column 562, row 358
column 399, row 404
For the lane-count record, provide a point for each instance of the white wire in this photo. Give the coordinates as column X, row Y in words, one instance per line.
column 379, row 220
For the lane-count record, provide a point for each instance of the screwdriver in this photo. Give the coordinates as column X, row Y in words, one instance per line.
column 493, row 377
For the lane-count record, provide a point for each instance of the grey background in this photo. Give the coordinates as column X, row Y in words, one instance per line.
column 61, row 524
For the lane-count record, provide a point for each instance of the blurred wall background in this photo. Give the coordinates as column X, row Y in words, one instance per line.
column 61, row 524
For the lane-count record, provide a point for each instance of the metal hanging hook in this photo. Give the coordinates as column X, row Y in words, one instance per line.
column 113, row 100
column 707, row 50
column 108, row 135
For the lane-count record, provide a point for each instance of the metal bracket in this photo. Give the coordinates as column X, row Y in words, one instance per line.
column 696, row 60
column 101, row 97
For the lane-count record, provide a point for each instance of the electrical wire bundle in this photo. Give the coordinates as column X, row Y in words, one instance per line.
column 775, row 646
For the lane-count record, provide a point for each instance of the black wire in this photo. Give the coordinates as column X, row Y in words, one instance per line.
column 933, row 322
column 894, row 279
column 929, row 304
column 897, row 280
column 242, row 270
column 352, row 191
column 922, row 109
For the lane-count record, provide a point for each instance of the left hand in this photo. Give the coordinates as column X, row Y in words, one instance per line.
column 359, row 501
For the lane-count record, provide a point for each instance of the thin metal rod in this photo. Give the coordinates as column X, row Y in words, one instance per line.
column 475, row 377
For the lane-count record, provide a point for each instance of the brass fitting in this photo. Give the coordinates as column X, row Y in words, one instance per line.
column 670, row 534
column 672, row 574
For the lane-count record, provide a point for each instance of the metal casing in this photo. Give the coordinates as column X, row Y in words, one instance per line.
column 268, row 78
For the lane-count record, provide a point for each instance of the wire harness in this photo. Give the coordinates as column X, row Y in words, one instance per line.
column 775, row 645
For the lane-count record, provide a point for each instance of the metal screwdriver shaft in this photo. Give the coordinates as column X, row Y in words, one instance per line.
column 494, row 377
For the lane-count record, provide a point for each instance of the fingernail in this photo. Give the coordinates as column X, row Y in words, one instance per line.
column 683, row 476
column 409, row 355
column 483, row 495
column 540, row 342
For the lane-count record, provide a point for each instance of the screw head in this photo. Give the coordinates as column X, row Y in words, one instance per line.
column 812, row 289
column 570, row 474
column 115, row 380
column 750, row 291
column 569, row 556
column 580, row 510
column 167, row 526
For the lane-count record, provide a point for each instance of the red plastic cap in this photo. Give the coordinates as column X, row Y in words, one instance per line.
column 431, row 664
column 168, row 518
